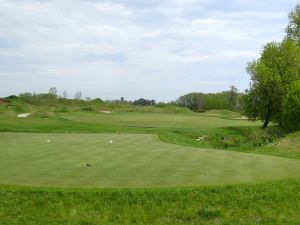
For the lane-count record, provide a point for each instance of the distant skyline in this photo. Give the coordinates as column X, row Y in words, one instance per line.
column 132, row 48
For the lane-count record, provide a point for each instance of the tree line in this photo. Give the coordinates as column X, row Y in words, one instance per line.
column 199, row 102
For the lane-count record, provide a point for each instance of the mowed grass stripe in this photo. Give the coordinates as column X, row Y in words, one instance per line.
column 131, row 160
column 153, row 120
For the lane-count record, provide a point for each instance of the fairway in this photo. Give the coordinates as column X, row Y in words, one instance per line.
column 128, row 160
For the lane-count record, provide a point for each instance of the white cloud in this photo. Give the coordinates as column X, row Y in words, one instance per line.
column 110, row 47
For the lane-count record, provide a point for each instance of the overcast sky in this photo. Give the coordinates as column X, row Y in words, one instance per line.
column 134, row 48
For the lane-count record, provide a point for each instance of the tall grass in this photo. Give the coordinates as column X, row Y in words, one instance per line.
column 270, row 203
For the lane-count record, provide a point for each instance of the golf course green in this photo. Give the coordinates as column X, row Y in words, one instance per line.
column 128, row 160
column 86, row 168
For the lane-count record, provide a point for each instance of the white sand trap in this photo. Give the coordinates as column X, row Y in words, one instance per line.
column 23, row 115
column 105, row 111
column 240, row 118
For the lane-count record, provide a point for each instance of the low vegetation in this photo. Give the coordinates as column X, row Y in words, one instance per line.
column 272, row 203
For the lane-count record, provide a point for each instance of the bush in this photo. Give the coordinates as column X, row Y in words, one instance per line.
column 61, row 110
column 144, row 102
column 18, row 109
column 260, row 137
column 39, row 99
column 11, row 98
column 87, row 108
column 97, row 100
column 291, row 108
column 248, row 139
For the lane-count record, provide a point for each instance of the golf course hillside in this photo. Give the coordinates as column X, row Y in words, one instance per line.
column 178, row 112
column 151, row 165
column 128, row 161
column 146, row 165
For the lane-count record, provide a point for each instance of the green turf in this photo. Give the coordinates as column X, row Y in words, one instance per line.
column 177, row 128
column 131, row 160
column 101, row 122
column 137, row 158
column 271, row 203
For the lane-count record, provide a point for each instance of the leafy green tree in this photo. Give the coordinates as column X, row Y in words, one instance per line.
column 293, row 27
column 144, row 102
column 291, row 108
column 194, row 101
column 271, row 76
column 198, row 102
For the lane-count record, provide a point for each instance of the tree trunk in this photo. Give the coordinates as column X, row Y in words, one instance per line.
column 267, row 121
column 268, row 115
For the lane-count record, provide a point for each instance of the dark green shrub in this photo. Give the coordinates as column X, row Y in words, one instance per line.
column 18, row 109
column 291, row 108
column 61, row 110
column 87, row 108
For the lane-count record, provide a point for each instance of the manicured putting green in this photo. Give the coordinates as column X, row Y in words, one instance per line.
column 128, row 160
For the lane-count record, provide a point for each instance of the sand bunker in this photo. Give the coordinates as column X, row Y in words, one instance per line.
column 23, row 115
column 105, row 111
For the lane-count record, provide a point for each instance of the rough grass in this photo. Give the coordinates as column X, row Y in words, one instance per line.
column 273, row 203
column 288, row 146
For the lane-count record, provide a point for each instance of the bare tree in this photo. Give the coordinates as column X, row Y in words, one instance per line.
column 78, row 95
column 53, row 91
column 65, row 94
